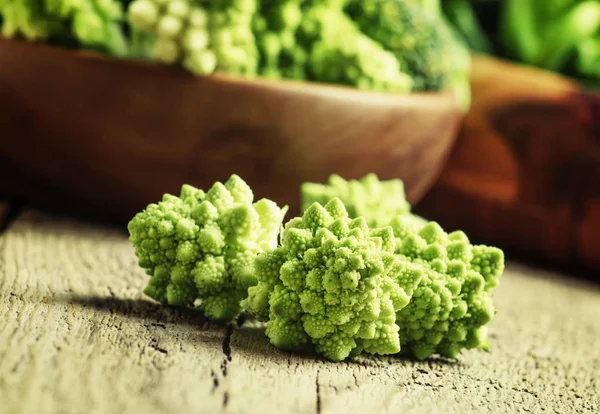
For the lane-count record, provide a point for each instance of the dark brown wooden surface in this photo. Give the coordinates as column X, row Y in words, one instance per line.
column 525, row 174
column 107, row 137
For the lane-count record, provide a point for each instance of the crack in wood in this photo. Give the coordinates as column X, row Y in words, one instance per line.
column 526, row 391
column 154, row 345
column 226, row 349
column 213, row 375
column 241, row 319
column 225, row 399
column 429, row 385
column 318, row 387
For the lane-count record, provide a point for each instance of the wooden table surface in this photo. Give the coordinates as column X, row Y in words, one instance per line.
column 77, row 336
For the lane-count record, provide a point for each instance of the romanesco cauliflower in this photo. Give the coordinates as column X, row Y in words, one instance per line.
column 333, row 283
column 203, row 36
column 275, row 26
column 200, row 246
column 451, row 306
column 340, row 53
column 392, row 46
column 316, row 41
column 414, row 36
column 453, row 302
column 377, row 201
column 95, row 24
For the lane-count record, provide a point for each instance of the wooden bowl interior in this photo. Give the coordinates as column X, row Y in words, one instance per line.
column 112, row 136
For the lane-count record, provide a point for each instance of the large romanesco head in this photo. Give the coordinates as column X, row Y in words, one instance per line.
column 451, row 306
column 333, row 283
column 201, row 245
column 377, row 201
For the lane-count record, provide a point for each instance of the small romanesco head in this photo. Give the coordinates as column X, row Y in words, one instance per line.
column 452, row 305
column 201, row 245
column 334, row 283
column 377, row 201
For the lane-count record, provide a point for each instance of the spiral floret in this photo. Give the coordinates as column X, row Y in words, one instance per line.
column 377, row 201
column 452, row 305
column 199, row 247
column 334, row 284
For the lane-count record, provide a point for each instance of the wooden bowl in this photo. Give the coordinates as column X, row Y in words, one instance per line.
column 525, row 173
column 106, row 137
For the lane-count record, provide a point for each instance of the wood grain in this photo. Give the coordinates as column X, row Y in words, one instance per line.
column 525, row 173
column 106, row 137
column 78, row 337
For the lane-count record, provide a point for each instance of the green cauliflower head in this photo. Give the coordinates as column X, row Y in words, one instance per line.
column 377, row 201
column 92, row 24
column 452, row 305
column 413, row 34
column 201, row 245
column 334, row 283
column 342, row 54
column 202, row 36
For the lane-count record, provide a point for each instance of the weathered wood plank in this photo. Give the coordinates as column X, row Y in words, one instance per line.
column 78, row 336
column 544, row 356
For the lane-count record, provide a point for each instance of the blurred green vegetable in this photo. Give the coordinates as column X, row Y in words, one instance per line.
column 317, row 41
column 458, row 57
column 432, row 7
column 588, row 57
column 413, row 35
column 548, row 33
column 422, row 40
column 461, row 15
column 557, row 35
column 398, row 46
column 202, row 36
column 94, row 24
column 341, row 53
